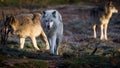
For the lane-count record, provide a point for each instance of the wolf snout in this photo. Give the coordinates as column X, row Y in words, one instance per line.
column 116, row 11
column 48, row 27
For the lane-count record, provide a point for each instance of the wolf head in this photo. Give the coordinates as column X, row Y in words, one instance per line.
column 9, row 22
column 109, row 7
column 13, row 23
column 49, row 18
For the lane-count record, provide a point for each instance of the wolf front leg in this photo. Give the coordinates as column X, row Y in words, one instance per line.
column 56, row 46
column 34, row 43
column 52, row 41
column 105, row 31
column 101, row 37
column 58, row 41
column 22, row 41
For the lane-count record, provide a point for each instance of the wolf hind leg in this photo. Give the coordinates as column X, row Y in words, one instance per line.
column 94, row 29
column 34, row 43
column 22, row 41
column 46, row 40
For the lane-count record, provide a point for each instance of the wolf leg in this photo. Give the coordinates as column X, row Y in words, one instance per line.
column 52, row 44
column 34, row 43
column 56, row 47
column 58, row 41
column 105, row 31
column 94, row 29
column 59, row 38
column 101, row 37
column 46, row 40
column 22, row 41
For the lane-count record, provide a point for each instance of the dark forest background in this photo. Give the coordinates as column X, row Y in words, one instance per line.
column 43, row 3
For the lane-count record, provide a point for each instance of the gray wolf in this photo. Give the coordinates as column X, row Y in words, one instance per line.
column 27, row 25
column 100, row 17
column 53, row 26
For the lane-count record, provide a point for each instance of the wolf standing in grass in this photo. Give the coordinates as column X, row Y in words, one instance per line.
column 101, row 17
column 27, row 25
column 53, row 26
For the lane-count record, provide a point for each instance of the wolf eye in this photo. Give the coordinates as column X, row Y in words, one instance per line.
column 46, row 20
column 51, row 20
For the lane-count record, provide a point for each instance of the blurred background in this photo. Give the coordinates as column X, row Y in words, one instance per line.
column 41, row 3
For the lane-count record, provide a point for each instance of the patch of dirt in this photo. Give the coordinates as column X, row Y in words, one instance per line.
column 12, row 62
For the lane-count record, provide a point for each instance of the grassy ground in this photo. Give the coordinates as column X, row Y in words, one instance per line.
column 11, row 57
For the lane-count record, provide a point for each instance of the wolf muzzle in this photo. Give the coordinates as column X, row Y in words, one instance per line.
column 48, row 27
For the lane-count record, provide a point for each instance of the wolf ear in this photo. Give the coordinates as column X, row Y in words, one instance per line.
column 44, row 12
column 110, row 3
column 107, row 5
column 12, row 19
column 54, row 14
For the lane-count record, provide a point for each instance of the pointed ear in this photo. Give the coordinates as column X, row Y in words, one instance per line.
column 44, row 12
column 110, row 3
column 12, row 19
column 54, row 14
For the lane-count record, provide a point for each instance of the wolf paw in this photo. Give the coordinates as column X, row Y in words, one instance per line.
column 47, row 47
column 37, row 48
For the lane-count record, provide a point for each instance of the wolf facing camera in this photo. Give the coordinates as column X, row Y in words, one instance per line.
column 53, row 27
